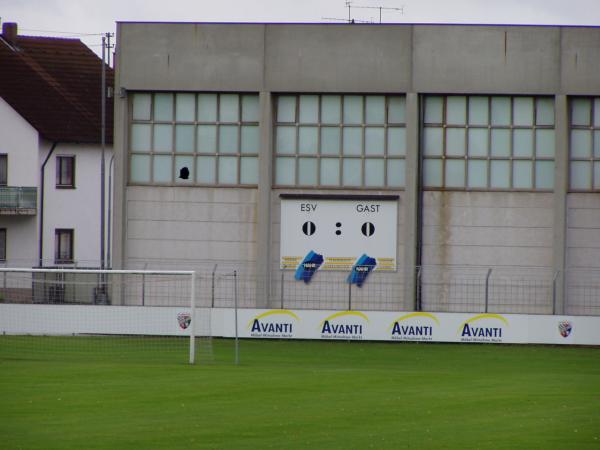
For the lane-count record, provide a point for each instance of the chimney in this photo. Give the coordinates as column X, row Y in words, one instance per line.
column 9, row 32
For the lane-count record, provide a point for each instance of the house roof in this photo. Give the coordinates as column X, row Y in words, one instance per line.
column 55, row 84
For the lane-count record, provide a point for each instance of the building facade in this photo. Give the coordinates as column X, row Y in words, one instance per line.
column 50, row 151
column 485, row 138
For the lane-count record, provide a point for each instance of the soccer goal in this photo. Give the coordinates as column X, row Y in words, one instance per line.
column 104, row 313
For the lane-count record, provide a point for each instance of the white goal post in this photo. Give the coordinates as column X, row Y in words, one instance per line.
column 133, row 303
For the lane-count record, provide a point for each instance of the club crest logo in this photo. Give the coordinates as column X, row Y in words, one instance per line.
column 564, row 328
column 184, row 320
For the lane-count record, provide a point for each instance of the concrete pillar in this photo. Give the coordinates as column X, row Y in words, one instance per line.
column 561, row 179
column 263, row 210
column 411, row 200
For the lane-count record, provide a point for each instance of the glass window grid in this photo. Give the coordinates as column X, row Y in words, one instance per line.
column 195, row 153
column 592, row 162
column 340, row 156
column 489, row 158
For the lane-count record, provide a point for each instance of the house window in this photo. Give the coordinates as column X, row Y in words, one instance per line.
column 63, row 246
column 187, row 138
column 65, row 171
column 2, row 244
column 3, row 170
column 340, row 141
column 585, row 144
column 488, row 142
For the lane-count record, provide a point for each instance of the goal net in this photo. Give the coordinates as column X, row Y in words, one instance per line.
column 79, row 313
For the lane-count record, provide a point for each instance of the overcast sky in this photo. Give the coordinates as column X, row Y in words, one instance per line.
column 76, row 18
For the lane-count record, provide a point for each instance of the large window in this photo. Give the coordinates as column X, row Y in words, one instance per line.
column 3, row 170
column 65, row 171
column 188, row 138
column 63, row 246
column 340, row 141
column 488, row 142
column 585, row 144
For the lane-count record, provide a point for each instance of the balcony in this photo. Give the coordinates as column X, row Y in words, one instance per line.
column 18, row 201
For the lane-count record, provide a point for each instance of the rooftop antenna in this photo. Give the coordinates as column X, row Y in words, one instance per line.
column 351, row 20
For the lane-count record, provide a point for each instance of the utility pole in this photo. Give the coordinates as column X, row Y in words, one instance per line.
column 102, row 146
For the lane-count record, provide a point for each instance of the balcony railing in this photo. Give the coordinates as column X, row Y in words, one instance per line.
column 18, row 200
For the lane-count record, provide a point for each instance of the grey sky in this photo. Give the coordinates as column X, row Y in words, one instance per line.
column 48, row 17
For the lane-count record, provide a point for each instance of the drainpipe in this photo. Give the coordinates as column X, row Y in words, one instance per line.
column 109, row 225
column 41, row 231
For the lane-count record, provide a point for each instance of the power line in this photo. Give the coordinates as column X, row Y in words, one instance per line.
column 62, row 32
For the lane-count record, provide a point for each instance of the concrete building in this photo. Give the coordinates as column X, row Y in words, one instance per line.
column 486, row 138
column 50, row 151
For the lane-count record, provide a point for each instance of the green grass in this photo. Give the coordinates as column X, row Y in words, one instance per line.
column 73, row 393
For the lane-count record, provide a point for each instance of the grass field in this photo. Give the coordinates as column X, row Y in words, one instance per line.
column 67, row 393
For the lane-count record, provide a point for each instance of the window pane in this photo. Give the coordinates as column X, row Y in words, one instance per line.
column 285, row 171
column 597, row 175
column 228, row 139
column 375, row 109
column 433, row 172
column 523, row 143
column 597, row 112
column 396, row 109
column 185, row 107
column 205, row 169
column 580, row 111
column 433, row 109
column 544, row 111
column 286, row 108
column 184, row 138
column 307, row 171
column 500, row 111
column 597, row 143
column 433, row 141
column 353, row 109
column 523, row 111
column 352, row 144
column 456, row 110
column 477, row 173
column 285, row 140
column 478, row 142
column 478, row 111
column 140, row 137
column 141, row 106
column 544, row 143
column 330, row 171
column 227, row 170
column 396, row 142
column 207, row 138
column 250, row 111
column 455, row 141
column 544, row 174
column 500, row 174
column 309, row 108
column 522, row 177
column 249, row 170
column 581, row 175
column 250, row 139
column 229, row 108
column 455, row 173
column 184, row 166
column 308, row 140
column 352, row 172
column 163, row 107
column 501, row 143
column 207, row 107
column 330, row 108
column 162, row 169
column 330, row 141
column 374, row 172
column 395, row 172
column 581, row 143
column 374, row 141
column 140, row 168
column 163, row 138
